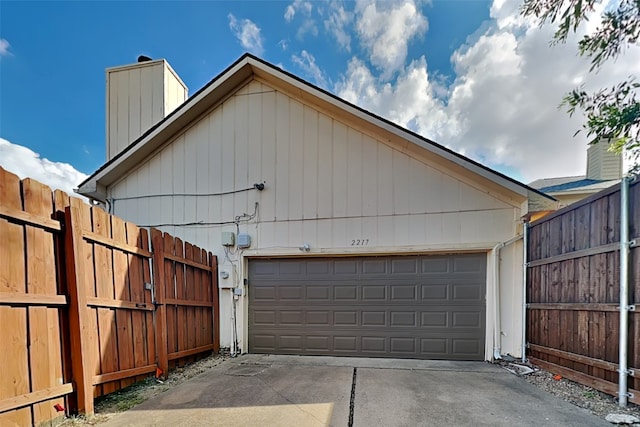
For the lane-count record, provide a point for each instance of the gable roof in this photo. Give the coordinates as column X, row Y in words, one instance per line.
column 232, row 77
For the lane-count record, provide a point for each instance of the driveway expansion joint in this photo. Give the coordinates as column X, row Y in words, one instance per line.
column 352, row 402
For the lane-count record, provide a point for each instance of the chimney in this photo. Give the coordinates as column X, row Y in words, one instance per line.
column 139, row 96
column 603, row 164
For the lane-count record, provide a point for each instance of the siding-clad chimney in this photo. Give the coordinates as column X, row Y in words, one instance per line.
column 139, row 96
column 603, row 164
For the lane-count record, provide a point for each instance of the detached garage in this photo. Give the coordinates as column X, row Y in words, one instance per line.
column 337, row 231
column 421, row 307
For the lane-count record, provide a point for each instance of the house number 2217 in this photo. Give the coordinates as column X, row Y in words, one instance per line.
column 359, row 242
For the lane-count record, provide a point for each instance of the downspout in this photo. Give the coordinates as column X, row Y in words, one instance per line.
column 624, row 293
column 497, row 333
column 496, row 300
column 525, row 254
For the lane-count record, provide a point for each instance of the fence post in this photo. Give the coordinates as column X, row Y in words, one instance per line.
column 213, row 261
column 161, row 309
column 81, row 355
column 624, row 293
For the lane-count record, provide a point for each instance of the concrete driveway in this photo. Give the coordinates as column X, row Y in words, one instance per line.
column 256, row 390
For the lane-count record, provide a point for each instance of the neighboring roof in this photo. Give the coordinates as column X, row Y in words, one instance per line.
column 227, row 81
column 550, row 182
column 572, row 184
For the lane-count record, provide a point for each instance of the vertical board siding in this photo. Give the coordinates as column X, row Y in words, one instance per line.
column 590, row 279
column 73, row 296
column 327, row 183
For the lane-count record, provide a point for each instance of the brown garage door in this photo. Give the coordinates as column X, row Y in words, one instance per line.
column 425, row 307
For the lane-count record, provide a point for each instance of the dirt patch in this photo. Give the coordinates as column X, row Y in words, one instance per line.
column 598, row 403
column 125, row 399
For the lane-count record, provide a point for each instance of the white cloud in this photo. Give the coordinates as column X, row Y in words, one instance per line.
column 304, row 7
column 307, row 63
column 27, row 164
column 248, row 33
column 502, row 106
column 308, row 26
column 4, row 47
column 337, row 25
column 385, row 30
column 289, row 13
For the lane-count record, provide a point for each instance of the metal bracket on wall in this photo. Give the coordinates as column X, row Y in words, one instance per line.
column 633, row 243
column 627, row 308
column 149, row 287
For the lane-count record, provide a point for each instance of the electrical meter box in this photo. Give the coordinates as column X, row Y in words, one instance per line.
column 228, row 238
column 227, row 277
column 244, row 241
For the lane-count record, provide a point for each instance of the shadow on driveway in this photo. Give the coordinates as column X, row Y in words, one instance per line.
column 262, row 390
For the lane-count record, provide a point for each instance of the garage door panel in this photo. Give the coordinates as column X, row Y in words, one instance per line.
column 318, row 317
column 430, row 307
column 291, row 343
column 462, row 319
column 375, row 267
column 404, row 266
column 374, row 344
column 346, row 293
column 469, row 264
column 264, row 317
column 345, row 318
column 290, row 293
column 467, row 291
column 465, row 346
column 318, row 343
column 403, row 292
column 433, row 266
column 315, row 292
column 403, row 318
column 435, row 292
column 319, row 267
column 344, row 268
column 291, row 317
column 434, row 319
column 434, row 346
column 264, row 293
column 374, row 292
column 374, row 318
column 347, row 344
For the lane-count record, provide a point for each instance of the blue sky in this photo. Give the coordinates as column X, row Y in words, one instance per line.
column 470, row 74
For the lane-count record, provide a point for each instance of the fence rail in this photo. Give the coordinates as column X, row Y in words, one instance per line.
column 90, row 303
column 573, row 292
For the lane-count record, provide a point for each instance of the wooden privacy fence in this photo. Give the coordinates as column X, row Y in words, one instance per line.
column 573, row 291
column 87, row 306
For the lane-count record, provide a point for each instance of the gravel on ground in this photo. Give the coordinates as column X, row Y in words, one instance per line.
column 599, row 403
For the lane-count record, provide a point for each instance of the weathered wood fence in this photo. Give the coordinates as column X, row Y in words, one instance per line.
column 573, row 291
column 87, row 306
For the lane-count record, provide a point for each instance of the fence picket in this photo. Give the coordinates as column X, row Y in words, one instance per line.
column 574, row 259
column 77, row 318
